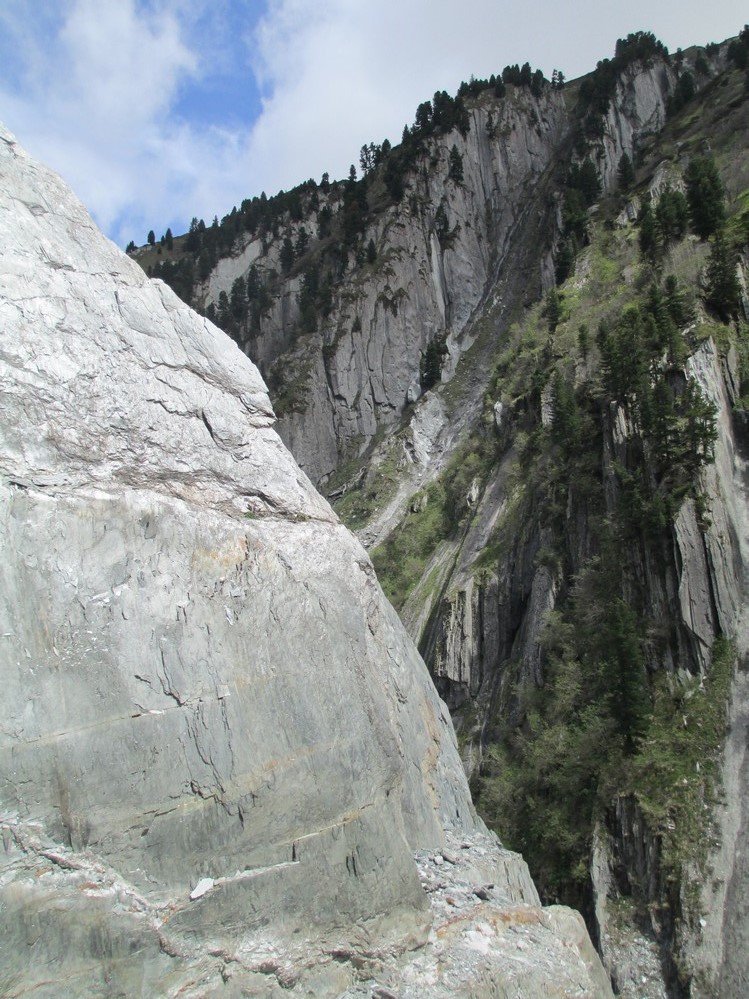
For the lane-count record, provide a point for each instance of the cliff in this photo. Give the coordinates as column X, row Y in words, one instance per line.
column 451, row 248
column 560, row 538
column 533, row 417
column 224, row 767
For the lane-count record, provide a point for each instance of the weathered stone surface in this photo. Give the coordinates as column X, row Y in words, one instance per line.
column 202, row 682
column 143, row 613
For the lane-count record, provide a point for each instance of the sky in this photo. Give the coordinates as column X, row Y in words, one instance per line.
column 156, row 111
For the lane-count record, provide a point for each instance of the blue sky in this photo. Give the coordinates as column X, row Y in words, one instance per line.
column 158, row 110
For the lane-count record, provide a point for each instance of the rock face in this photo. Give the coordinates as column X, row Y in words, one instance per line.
column 217, row 743
column 713, row 950
column 440, row 251
column 719, row 947
column 445, row 253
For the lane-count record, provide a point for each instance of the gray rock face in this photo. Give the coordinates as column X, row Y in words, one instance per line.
column 444, row 252
column 712, row 593
column 360, row 371
column 637, row 111
column 718, row 947
column 477, row 627
column 217, row 743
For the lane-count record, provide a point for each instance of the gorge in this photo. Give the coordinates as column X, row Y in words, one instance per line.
column 514, row 360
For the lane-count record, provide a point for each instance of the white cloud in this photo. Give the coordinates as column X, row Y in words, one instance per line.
column 96, row 98
column 98, row 84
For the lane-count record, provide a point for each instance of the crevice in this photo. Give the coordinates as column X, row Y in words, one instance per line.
column 208, row 427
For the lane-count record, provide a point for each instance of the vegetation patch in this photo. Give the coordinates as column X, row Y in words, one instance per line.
column 400, row 561
column 438, row 513
column 358, row 504
column 288, row 384
column 675, row 775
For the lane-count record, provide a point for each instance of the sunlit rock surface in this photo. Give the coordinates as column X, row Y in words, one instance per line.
column 219, row 750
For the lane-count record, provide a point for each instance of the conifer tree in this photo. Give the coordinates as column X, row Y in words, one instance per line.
column 455, row 169
column 722, row 284
column 625, row 172
column 705, row 196
column 672, row 216
column 552, row 310
column 287, row 255
column 192, row 243
column 648, row 237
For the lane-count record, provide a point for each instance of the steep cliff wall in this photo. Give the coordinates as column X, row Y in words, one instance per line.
column 442, row 252
column 439, row 251
column 704, row 947
column 487, row 635
column 219, row 751
column 525, row 591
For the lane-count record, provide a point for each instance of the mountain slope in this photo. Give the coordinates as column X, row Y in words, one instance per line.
column 526, row 394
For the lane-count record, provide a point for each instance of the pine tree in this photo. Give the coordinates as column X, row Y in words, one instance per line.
column 565, row 258
column 648, row 233
column 629, row 702
column 324, row 221
column 455, row 169
column 705, row 196
column 223, row 314
column 565, row 419
column 552, row 310
column 238, row 302
column 672, row 216
column 192, row 243
column 723, row 289
column 205, row 264
column 625, row 172
column 287, row 255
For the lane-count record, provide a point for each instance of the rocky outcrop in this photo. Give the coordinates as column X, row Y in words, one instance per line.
column 219, row 751
column 637, row 112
